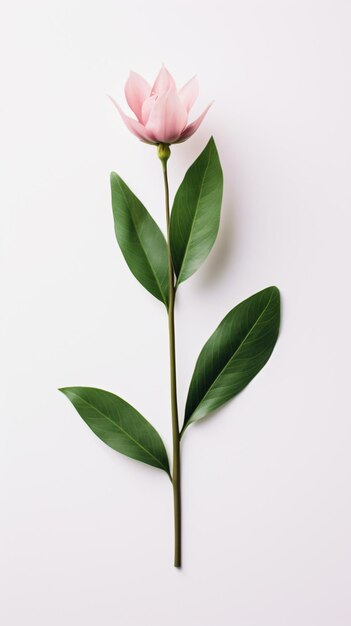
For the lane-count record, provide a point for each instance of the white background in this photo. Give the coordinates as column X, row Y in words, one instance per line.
column 86, row 534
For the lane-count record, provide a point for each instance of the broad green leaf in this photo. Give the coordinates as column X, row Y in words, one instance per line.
column 140, row 239
column 234, row 354
column 119, row 425
column 196, row 212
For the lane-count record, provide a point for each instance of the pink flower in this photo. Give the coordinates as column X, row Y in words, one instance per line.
column 161, row 111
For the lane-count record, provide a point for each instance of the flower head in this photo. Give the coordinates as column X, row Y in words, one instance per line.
column 161, row 110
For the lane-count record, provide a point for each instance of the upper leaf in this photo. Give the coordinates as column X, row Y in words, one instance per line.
column 234, row 354
column 196, row 212
column 140, row 239
column 119, row 425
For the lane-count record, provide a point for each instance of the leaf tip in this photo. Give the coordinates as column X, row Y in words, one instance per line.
column 275, row 290
column 211, row 142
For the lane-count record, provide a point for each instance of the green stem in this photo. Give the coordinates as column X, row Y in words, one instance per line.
column 174, row 405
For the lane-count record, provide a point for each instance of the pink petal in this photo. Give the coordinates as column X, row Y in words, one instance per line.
column 136, row 91
column 168, row 118
column 146, row 109
column 163, row 82
column 192, row 128
column 189, row 93
column 134, row 126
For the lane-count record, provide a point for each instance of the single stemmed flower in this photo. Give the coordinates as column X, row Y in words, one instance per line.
column 244, row 340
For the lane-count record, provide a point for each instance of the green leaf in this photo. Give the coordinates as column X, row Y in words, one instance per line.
column 140, row 239
column 119, row 425
column 234, row 354
column 196, row 212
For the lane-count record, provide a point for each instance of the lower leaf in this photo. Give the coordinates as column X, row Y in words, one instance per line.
column 119, row 425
